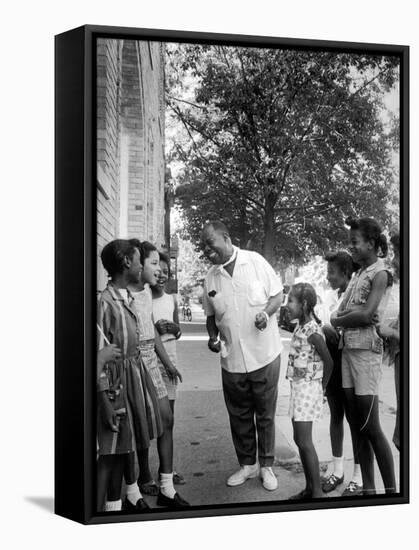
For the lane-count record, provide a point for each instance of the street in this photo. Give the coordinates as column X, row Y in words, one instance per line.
column 203, row 449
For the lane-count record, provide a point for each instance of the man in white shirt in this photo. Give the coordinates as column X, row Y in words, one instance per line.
column 241, row 296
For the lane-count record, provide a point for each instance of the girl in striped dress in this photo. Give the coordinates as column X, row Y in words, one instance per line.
column 128, row 412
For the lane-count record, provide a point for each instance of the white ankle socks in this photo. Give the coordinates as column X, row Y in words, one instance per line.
column 133, row 493
column 338, row 466
column 357, row 475
column 166, row 485
column 113, row 505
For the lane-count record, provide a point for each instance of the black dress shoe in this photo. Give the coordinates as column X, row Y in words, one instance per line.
column 140, row 506
column 176, row 502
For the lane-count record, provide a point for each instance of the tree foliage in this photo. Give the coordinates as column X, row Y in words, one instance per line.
column 192, row 268
column 281, row 145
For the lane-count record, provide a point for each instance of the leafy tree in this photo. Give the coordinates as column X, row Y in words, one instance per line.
column 192, row 268
column 281, row 145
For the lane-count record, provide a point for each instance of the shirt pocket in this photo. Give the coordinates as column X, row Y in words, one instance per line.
column 256, row 294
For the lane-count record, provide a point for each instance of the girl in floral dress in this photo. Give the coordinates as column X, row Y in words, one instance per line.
column 309, row 370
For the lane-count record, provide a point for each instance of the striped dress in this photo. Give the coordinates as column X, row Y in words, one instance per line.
column 126, row 381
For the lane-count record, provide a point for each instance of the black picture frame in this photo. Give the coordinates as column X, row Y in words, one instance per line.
column 75, row 270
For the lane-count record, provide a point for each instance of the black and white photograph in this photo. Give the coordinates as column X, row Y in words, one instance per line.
column 209, row 300
column 248, row 234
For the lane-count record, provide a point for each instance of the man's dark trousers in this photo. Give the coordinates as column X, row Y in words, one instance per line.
column 250, row 399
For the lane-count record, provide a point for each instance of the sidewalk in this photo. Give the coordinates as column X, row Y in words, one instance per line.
column 203, row 450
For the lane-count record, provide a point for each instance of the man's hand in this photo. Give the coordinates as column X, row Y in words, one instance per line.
column 214, row 345
column 261, row 320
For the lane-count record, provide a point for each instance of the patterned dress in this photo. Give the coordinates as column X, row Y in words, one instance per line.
column 305, row 373
column 163, row 308
column 126, row 381
column 143, row 303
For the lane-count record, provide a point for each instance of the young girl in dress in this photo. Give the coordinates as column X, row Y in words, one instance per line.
column 309, row 369
column 361, row 308
column 127, row 400
column 152, row 348
column 166, row 317
column 340, row 267
column 390, row 332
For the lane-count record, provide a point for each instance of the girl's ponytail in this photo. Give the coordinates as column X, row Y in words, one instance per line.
column 316, row 318
column 383, row 244
column 305, row 291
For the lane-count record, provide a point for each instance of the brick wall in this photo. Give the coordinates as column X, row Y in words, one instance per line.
column 108, row 106
column 130, row 143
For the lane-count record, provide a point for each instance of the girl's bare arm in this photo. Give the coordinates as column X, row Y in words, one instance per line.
column 319, row 343
column 365, row 314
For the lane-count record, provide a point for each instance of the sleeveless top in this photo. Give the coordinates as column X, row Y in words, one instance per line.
column 304, row 362
column 357, row 293
column 144, row 308
column 163, row 308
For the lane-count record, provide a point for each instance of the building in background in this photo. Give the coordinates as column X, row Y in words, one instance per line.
column 130, row 144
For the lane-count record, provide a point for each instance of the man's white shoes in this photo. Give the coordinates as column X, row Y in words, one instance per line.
column 246, row 472
column 269, row 481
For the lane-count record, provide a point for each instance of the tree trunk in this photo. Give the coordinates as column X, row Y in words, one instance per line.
column 269, row 232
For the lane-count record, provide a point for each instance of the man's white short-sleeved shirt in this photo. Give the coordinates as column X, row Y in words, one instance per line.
column 234, row 302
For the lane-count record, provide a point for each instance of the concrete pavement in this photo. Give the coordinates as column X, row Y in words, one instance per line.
column 204, row 453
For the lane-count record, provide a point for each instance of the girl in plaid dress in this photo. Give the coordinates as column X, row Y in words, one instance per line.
column 127, row 403
column 309, row 369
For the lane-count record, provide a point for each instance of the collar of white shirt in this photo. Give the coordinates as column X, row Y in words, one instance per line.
column 231, row 259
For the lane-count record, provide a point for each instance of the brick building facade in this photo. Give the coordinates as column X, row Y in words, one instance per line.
column 130, row 143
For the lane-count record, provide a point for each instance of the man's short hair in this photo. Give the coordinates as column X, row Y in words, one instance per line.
column 218, row 225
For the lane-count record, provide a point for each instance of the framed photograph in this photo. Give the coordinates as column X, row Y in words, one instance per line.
column 231, row 274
